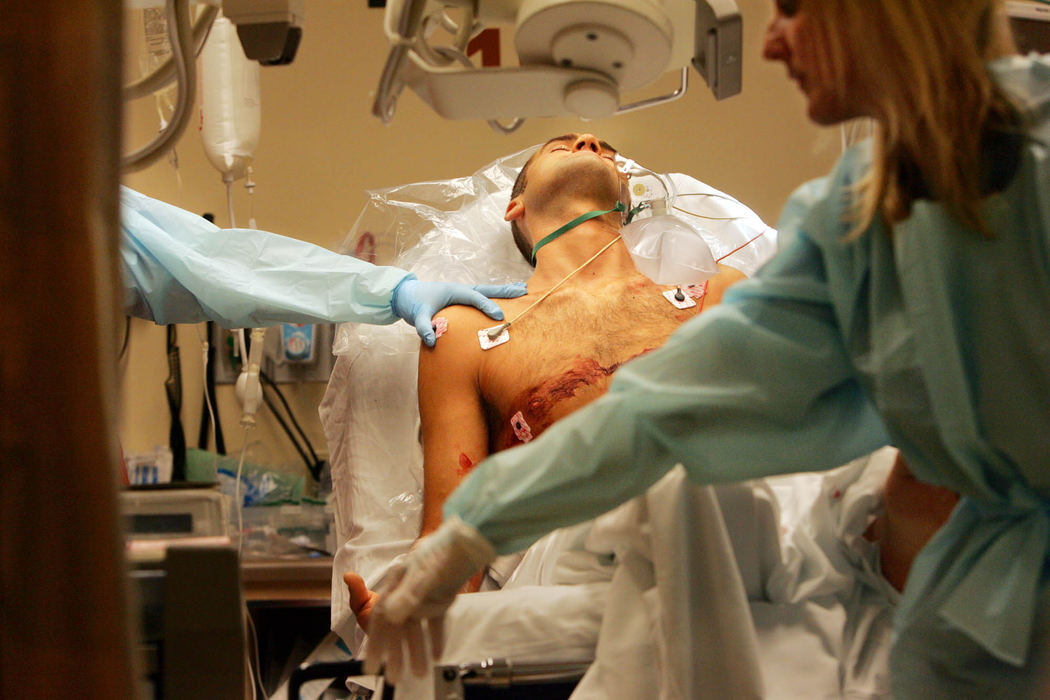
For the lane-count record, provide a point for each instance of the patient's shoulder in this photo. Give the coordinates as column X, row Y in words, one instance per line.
column 460, row 322
column 457, row 344
column 462, row 314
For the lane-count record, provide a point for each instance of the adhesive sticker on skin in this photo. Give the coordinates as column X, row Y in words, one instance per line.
column 440, row 326
column 696, row 291
column 488, row 343
column 686, row 303
column 521, row 428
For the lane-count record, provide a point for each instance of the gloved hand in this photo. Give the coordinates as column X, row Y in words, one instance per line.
column 416, row 593
column 417, row 302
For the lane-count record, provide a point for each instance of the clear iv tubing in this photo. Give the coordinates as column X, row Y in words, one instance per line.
column 240, row 546
column 238, row 501
column 250, row 186
column 701, row 216
column 240, row 464
column 494, row 332
column 709, row 218
column 239, row 505
column 229, row 200
column 207, row 396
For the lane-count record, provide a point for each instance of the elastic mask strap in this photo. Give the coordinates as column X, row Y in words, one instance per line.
column 640, row 207
column 571, row 225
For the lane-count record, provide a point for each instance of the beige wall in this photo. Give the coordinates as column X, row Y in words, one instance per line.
column 321, row 148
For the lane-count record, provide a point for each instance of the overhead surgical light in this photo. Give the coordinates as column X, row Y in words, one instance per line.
column 576, row 57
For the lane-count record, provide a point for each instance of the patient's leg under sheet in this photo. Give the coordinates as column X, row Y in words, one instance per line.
column 530, row 624
column 673, row 622
column 534, row 623
column 678, row 623
column 800, row 646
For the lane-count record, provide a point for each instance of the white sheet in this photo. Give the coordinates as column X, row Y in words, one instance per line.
column 615, row 592
column 655, row 590
column 370, row 418
column 677, row 624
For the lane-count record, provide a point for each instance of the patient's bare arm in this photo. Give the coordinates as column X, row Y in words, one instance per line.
column 455, row 436
column 451, row 411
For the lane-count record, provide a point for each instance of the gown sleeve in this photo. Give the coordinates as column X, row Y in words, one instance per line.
column 180, row 268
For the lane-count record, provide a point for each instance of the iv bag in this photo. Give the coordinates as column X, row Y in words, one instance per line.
column 230, row 106
column 668, row 250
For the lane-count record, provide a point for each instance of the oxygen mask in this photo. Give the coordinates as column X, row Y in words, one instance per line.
column 665, row 248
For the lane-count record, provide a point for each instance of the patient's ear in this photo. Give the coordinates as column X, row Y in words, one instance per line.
column 515, row 209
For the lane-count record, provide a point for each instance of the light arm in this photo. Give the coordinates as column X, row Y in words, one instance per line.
column 452, row 414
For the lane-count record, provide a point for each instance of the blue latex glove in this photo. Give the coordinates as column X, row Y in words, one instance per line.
column 417, row 302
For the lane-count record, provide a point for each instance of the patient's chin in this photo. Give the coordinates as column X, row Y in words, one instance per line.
column 588, row 178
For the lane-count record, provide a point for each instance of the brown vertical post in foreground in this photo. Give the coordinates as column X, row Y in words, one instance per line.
column 64, row 629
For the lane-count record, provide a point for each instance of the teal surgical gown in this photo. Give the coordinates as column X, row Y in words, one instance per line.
column 936, row 341
column 180, row 268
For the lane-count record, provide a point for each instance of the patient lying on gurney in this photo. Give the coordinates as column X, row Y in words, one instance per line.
column 562, row 353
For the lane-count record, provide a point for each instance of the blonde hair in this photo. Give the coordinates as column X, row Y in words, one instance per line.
column 922, row 66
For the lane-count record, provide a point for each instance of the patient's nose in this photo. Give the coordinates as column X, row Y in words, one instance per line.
column 588, row 141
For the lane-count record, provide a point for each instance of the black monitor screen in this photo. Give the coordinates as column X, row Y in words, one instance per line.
column 160, row 524
column 1031, row 34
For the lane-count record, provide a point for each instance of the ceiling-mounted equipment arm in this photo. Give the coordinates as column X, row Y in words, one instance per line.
column 719, row 46
column 576, row 56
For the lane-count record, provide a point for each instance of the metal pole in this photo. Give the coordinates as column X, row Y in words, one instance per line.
column 64, row 615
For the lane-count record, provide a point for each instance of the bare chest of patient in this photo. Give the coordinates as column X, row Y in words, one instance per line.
column 562, row 355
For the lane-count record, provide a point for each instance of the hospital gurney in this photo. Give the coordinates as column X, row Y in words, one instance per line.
column 455, row 230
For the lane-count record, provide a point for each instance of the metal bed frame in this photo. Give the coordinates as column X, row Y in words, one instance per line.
column 489, row 679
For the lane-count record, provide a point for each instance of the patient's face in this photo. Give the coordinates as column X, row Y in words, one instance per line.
column 578, row 165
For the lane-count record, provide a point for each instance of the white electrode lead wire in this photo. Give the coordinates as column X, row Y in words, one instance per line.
column 237, row 493
column 207, row 395
column 494, row 333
